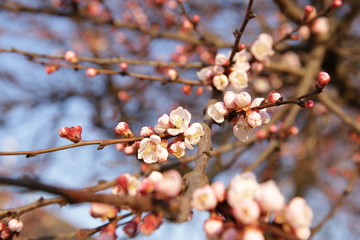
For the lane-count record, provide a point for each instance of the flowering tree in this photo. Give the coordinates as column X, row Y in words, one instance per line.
column 187, row 95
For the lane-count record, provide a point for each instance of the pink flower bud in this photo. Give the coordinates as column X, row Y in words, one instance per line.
column 146, row 131
column 187, row 25
column 73, row 134
column 302, row 233
column 310, row 12
column 131, row 150
column 172, row 74
column 242, row 99
column 70, row 56
column 199, row 91
column 221, row 60
column 123, row 96
column 309, row 104
column 107, row 233
column 15, row 225
column 229, row 99
column 336, row 3
column 123, row 66
column 91, row 72
column 293, row 130
column 213, row 227
column 196, row 18
column 122, row 128
column 49, row 69
column 150, row 223
column 5, row 234
column 230, row 234
column 261, row 134
column 186, row 89
column 130, row 229
column 273, row 128
column 273, row 97
column 323, row 79
column 120, row 146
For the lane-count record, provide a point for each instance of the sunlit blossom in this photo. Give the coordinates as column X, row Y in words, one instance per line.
column 151, row 150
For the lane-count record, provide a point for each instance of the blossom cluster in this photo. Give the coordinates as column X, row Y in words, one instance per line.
column 225, row 73
column 155, row 149
column 239, row 105
column 13, row 227
column 160, row 186
column 249, row 204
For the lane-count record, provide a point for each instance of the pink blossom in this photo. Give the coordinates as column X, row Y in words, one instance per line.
column 269, row 197
column 217, row 112
column 193, row 134
column 219, row 190
column 213, row 227
column 256, row 102
column 151, row 150
column 204, row 198
column 107, row 233
column 15, row 225
column 180, row 120
column 298, row 214
column 229, row 99
column 253, row 234
column 247, row 211
column 163, row 124
column 132, row 149
column 242, row 186
column 242, row 100
column 262, row 47
column 238, row 79
column 220, row 82
column 170, row 185
column 254, row 120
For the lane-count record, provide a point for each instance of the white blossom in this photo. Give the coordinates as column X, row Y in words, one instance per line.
column 151, row 150
column 193, row 134
column 220, row 82
column 262, row 47
column 217, row 112
column 242, row 186
column 238, row 79
column 180, row 119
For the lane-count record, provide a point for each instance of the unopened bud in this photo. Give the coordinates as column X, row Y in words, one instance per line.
column 91, row 72
column 309, row 12
column 123, row 66
column 309, row 104
column 122, row 128
column 15, row 225
column 196, row 18
column 73, row 134
column 323, row 79
column 273, row 97
column 186, row 89
column 70, row 56
column 336, row 3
